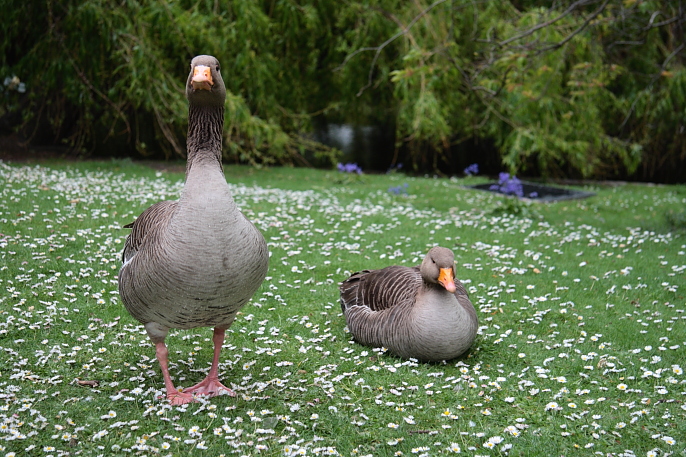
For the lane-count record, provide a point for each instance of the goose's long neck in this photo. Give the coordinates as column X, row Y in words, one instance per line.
column 205, row 131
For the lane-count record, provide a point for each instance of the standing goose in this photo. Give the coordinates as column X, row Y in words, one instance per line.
column 196, row 261
column 420, row 312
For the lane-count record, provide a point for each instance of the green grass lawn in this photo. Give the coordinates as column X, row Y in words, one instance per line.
column 581, row 307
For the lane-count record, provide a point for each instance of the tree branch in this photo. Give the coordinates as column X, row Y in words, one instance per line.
column 635, row 41
column 663, row 23
column 381, row 47
column 578, row 30
column 82, row 76
column 528, row 32
column 652, row 83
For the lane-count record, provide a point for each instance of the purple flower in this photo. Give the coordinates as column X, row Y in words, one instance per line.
column 399, row 190
column 513, row 186
column 397, row 167
column 349, row 168
column 473, row 169
column 508, row 185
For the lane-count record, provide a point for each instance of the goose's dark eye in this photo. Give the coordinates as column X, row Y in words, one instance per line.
column 217, row 68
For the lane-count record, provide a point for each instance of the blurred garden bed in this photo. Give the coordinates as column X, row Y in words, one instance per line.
column 534, row 191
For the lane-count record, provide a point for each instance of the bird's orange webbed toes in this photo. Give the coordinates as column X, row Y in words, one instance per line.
column 180, row 398
column 211, row 388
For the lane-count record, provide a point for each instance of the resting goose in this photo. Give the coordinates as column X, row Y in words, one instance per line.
column 415, row 312
column 196, row 261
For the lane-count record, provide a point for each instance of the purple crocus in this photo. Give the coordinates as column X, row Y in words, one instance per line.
column 513, row 186
column 349, row 168
column 394, row 168
column 473, row 169
column 399, row 190
column 508, row 185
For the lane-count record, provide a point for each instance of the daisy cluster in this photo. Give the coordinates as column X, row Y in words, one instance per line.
column 580, row 347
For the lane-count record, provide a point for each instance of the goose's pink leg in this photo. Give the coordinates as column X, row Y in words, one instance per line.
column 211, row 386
column 175, row 397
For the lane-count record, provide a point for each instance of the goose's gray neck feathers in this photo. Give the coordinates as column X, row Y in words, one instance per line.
column 205, row 127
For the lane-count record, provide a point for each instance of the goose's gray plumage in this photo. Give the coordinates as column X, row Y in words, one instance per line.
column 196, row 261
column 415, row 312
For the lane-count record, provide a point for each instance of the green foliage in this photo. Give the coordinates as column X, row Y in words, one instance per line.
column 659, row 124
column 511, row 205
column 676, row 219
column 583, row 89
column 549, row 88
column 98, row 69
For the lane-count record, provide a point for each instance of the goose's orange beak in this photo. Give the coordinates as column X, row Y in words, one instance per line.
column 202, row 78
column 447, row 279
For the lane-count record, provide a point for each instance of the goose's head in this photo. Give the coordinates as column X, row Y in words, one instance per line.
column 438, row 267
column 205, row 85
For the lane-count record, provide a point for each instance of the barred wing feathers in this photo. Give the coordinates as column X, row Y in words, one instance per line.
column 382, row 289
column 148, row 224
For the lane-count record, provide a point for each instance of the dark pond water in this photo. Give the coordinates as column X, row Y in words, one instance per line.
column 371, row 147
column 540, row 192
